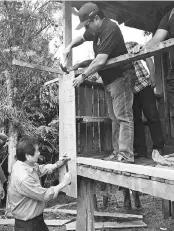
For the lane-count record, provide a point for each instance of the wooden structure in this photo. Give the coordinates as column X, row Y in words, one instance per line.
column 85, row 130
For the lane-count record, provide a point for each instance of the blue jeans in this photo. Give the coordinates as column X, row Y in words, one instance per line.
column 119, row 98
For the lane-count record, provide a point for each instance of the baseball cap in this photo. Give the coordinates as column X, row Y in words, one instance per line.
column 86, row 12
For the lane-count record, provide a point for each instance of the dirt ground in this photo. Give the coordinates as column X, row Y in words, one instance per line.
column 151, row 209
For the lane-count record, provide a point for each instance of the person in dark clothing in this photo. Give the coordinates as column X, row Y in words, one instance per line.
column 145, row 101
column 165, row 30
column 108, row 43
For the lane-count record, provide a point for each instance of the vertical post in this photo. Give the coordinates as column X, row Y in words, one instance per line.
column 67, row 109
column 67, row 27
column 67, row 129
column 85, row 205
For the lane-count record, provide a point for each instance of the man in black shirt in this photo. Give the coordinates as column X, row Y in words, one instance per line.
column 165, row 29
column 108, row 43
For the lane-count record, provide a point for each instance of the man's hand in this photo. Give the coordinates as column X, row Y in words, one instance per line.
column 137, row 49
column 152, row 80
column 62, row 161
column 67, row 178
column 77, row 81
column 74, row 68
column 66, row 52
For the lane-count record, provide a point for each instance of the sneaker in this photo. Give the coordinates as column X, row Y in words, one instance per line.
column 120, row 158
column 111, row 157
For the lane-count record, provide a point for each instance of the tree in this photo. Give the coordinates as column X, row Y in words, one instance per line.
column 26, row 29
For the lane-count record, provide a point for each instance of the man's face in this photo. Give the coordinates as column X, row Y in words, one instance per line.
column 92, row 26
column 34, row 159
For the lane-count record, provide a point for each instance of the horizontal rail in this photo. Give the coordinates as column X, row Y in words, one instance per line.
column 152, row 187
column 163, row 173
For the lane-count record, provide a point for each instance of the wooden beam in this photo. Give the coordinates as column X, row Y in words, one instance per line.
column 48, row 222
column 98, row 214
column 154, row 188
column 67, row 28
column 127, row 58
column 110, row 225
column 36, row 66
column 51, row 81
column 85, row 205
column 167, row 174
column 67, row 129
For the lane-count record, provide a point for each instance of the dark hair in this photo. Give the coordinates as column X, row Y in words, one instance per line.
column 25, row 146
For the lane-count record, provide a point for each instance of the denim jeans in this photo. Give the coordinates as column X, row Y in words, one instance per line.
column 119, row 98
column 145, row 101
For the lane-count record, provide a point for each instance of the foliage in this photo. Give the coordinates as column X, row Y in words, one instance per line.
column 26, row 28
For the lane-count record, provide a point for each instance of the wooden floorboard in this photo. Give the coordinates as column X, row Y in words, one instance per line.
column 151, row 171
column 148, row 186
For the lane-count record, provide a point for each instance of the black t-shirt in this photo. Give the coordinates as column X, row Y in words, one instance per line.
column 109, row 40
column 167, row 23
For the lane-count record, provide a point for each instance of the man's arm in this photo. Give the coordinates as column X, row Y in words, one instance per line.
column 151, row 68
column 95, row 65
column 49, row 168
column 32, row 189
column 83, row 64
column 159, row 36
column 75, row 42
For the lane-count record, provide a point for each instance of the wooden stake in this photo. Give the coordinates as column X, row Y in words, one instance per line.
column 85, row 205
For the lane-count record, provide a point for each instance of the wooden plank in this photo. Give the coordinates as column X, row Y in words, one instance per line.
column 51, row 81
column 166, row 208
column 59, row 206
column 127, row 199
column 89, row 140
column 85, row 205
column 48, row 222
column 101, row 102
column 106, row 136
column 88, row 102
column 150, row 187
column 82, row 101
column 172, row 209
column 96, row 138
column 67, row 29
column 102, row 214
column 111, row 225
column 91, row 119
column 127, row 58
column 132, row 168
column 83, row 143
column 67, row 129
column 95, row 102
column 36, row 66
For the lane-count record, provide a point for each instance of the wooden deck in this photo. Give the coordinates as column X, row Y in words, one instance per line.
column 142, row 176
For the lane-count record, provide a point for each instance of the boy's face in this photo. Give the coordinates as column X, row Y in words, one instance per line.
column 34, row 159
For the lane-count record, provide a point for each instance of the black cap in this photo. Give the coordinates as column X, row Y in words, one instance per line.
column 86, row 12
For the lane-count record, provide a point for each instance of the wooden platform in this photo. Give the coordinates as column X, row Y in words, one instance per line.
column 142, row 176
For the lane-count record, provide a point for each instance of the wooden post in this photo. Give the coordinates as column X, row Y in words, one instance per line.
column 127, row 198
column 166, row 208
column 67, row 27
column 67, row 109
column 67, row 129
column 85, row 205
